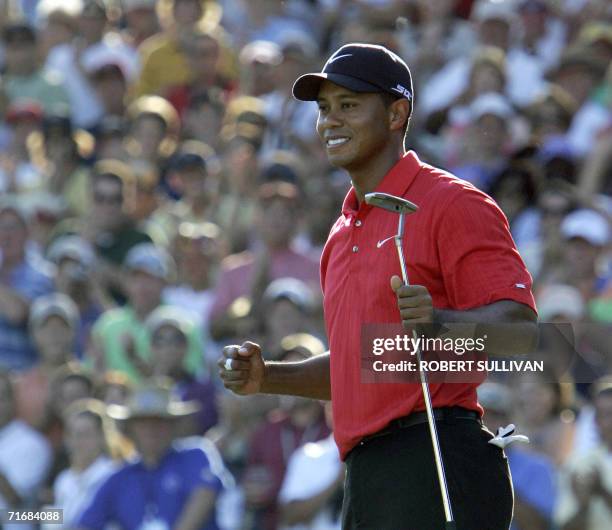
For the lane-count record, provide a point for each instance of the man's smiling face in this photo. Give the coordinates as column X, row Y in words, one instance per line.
column 353, row 126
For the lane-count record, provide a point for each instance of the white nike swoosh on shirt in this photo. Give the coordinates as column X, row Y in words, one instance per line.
column 383, row 241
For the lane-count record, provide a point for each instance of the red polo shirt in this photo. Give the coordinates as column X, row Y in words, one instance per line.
column 457, row 244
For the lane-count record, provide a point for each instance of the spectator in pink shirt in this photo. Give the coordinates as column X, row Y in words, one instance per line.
column 247, row 274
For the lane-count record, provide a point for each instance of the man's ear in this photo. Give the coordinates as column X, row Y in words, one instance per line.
column 399, row 112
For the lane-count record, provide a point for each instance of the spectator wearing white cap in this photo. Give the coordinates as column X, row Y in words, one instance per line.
column 259, row 61
column 120, row 336
column 290, row 122
column 53, row 325
column 586, row 235
column 141, row 20
column 544, row 34
column 198, row 251
column 75, row 261
column 487, row 139
column 288, row 307
column 487, row 75
column 560, row 303
column 169, row 330
column 72, row 58
column 56, row 23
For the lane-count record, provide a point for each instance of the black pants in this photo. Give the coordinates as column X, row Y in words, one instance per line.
column 392, row 484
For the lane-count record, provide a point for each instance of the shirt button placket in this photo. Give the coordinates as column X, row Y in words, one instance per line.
column 358, row 223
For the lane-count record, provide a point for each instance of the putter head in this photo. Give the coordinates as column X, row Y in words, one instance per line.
column 390, row 203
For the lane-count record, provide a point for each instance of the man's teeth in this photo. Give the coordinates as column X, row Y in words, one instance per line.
column 336, row 141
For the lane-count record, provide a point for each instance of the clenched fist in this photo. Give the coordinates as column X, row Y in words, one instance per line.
column 242, row 368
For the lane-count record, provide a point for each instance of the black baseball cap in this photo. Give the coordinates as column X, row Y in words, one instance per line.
column 188, row 160
column 360, row 68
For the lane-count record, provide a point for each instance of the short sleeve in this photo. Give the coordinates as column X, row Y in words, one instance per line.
column 303, row 479
column 199, row 472
column 33, row 284
column 310, row 470
column 478, row 258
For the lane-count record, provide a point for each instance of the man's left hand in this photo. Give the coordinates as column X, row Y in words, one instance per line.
column 414, row 303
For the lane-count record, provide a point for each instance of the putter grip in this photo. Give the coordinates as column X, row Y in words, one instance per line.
column 450, row 525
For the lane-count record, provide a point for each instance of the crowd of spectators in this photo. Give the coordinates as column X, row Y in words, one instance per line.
column 162, row 195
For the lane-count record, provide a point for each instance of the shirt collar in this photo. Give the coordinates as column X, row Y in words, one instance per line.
column 396, row 182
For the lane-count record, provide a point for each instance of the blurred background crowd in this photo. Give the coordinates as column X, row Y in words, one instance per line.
column 162, row 195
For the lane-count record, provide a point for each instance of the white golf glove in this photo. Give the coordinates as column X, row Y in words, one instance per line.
column 505, row 437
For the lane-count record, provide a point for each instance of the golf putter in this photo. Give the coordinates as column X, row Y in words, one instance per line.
column 403, row 207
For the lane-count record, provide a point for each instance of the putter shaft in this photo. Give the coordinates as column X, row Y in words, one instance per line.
column 448, row 511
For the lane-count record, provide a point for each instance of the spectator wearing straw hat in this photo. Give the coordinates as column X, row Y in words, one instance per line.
column 172, row 484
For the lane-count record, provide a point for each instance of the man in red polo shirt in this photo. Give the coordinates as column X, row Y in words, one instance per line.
column 464, row 268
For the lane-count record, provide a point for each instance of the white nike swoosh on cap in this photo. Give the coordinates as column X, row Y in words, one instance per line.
column 339, row 57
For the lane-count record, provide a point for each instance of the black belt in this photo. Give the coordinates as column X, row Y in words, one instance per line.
column 444, row 414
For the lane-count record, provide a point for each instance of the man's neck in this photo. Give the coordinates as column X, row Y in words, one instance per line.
column 83, row 463
column 198, row 205
column 48, row 366
column 153, row 461
column 368, row 177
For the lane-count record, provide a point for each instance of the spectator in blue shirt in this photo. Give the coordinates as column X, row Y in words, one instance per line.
column 171, row 485
column 22, row 279
column 534, row 476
